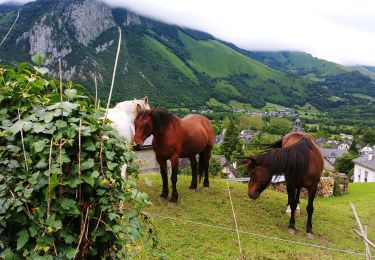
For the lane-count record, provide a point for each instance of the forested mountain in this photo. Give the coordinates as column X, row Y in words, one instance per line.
column 174, row 66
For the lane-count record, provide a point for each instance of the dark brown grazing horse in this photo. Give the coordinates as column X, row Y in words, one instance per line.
column 176, row 138
column 297, row 156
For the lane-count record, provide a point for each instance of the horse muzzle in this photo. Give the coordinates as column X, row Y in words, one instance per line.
column 136, row 147
column 254, row 195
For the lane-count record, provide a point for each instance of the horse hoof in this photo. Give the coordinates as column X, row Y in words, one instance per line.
column 292, row 231
column 193, row 190
column 172, row 204
column 206, row 188
column 309, row 236
column 298, row 209
column 161, row 199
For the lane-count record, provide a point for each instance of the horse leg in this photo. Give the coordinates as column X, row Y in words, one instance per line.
column 298, row 208
column 174, row 163
column 201, row 166
column 310, row 210
column 193, row 164
column 206, row 158
column 164, row 176
column 293, row 204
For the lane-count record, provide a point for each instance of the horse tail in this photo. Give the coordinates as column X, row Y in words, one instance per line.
column 272, row 146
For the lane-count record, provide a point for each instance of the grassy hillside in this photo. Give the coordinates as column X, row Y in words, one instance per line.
column 299, row 63
column 332, row 222
column 169, row 56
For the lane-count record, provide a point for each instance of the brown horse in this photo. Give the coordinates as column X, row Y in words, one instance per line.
column 297, row 156
column 176, row 138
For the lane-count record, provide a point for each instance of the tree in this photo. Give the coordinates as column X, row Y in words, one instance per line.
column 353, row 147
column 231, row 147
column 368, row 137
column 345, row 163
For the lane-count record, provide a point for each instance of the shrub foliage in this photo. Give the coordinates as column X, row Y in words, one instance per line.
column 60, row 183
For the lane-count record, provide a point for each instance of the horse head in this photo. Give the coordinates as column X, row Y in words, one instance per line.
column 259, row 178
column 140, row 104
column 143, row 126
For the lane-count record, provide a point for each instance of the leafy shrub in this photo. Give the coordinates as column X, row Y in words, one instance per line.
column 60, row 183
column 336, row 188
column 214, row 167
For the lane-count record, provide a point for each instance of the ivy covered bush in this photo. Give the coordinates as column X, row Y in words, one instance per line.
column 61, row 192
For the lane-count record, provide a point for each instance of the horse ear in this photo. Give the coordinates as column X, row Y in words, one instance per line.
column 145, row 99
column 139, row 108
column 135, row 99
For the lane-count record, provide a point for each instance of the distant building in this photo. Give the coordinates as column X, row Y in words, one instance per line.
column 346, row 137
column 219, row 139
column 366, row 150
column 297, row 126
column 364, row 168
column 343, row 146
column 331, row 154
column 321, row 140
column 227, row 168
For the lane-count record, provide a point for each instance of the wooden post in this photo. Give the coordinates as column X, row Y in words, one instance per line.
column 362, row 233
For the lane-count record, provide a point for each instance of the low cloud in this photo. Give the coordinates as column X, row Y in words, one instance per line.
column 335, row 30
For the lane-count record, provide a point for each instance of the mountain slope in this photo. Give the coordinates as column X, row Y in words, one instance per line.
column 176, row 67
column 299, row 63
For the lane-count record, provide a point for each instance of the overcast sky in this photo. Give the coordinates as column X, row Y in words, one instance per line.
column 342, row 31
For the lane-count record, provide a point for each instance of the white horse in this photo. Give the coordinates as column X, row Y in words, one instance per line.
column 122, row 117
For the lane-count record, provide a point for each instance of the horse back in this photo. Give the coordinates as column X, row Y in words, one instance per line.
column 315, row 158
column 198, row 133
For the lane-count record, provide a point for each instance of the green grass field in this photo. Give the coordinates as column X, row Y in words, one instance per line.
column 247, row 122
column 280, row 122
column 333, row 222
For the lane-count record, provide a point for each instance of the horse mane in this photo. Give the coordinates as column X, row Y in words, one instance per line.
column 291, row 160
column 161, row 119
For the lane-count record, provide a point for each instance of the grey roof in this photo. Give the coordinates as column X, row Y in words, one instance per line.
column 364, row 161
column 330, row 152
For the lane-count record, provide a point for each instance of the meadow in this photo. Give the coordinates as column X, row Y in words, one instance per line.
column 183, row 232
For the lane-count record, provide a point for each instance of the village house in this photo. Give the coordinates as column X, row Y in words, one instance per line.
column 364, row 168
column 331, row 154
column 343, row 146
column 346, row 137
column 366, row 150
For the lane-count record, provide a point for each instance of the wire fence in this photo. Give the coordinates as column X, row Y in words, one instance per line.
column 345, row 251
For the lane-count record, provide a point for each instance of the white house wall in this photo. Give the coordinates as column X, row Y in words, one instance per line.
column 360, row 172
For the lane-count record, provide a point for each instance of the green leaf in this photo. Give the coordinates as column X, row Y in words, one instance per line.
column 89, row 180
column 88, row 164
column 41, row 164
column 70, row 206
column 23, row 237
column 60, row 124
column 70, row 93
column 41, row 70
column 39, row 146
column 70, row 252
column 45, row 116
column 73, row 183
column 37, row 59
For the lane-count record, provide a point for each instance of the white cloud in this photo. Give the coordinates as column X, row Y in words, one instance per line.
column 336, row 30
column 340, row 31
